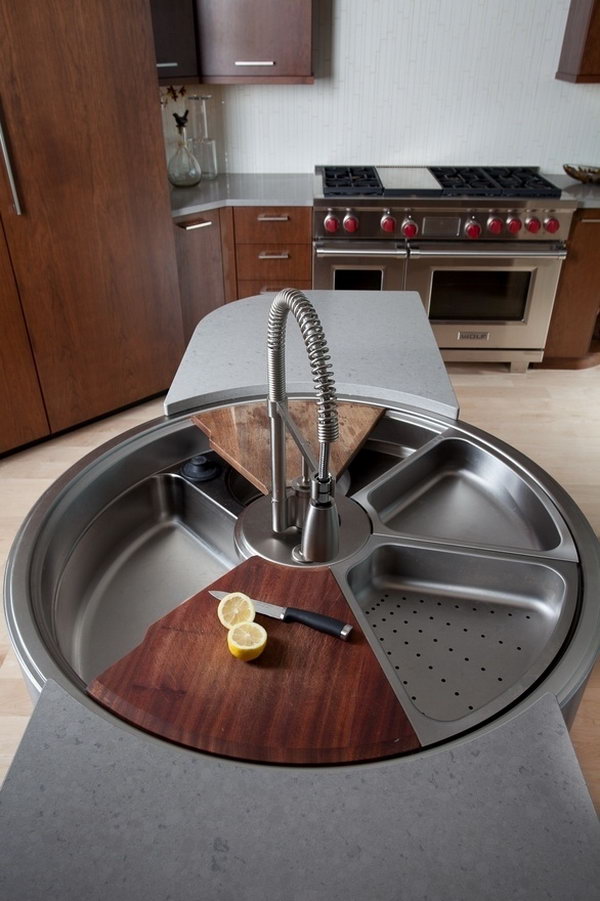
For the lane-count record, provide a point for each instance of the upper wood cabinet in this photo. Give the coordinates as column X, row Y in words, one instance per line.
column 93, row 251
column 256, row 41
column 174, row 27
column 580, row 56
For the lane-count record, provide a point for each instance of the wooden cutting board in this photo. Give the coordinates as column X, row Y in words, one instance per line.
column 241, row 435
column 309, row 698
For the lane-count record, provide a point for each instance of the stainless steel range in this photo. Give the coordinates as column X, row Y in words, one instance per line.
column 483, row 246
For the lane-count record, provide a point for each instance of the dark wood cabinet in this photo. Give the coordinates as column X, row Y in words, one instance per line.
column 570, row 336
column 255, row 40
column 22, row 414
column 174, row 28
column 273, row 249
column 580, row 55
column 93, row 253
column 200, row 265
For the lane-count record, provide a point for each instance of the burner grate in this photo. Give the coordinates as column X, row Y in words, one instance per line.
column 344, row 181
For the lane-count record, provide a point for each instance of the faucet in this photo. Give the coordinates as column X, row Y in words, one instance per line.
column 311, row 507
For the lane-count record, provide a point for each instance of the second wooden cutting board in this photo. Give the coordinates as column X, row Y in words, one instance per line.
column 240, row 434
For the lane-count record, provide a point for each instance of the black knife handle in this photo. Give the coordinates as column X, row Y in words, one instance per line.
column 317, row 621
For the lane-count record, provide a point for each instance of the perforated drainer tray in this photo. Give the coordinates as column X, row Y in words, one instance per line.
column 462, row 633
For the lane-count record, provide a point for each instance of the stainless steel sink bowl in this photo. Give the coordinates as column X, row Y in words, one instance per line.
column 478, row 588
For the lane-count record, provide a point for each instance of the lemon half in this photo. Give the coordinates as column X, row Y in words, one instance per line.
column 235, row 608
column 246, row 641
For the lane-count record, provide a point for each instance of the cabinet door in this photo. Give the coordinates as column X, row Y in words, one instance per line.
column 578, row 297
column 93, row 252
column 22, row 414
column 174, row 27
column 255, row 40
column 198, row 242
column 580, row 54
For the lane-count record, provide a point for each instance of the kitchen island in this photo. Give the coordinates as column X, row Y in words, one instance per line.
column 500, row 813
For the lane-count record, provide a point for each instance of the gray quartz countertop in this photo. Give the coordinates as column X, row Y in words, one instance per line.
column 244, row 190
column 381, row 345
column 299, row 189
column 92, row 810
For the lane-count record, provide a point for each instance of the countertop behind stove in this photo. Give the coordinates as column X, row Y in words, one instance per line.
column 300, row 189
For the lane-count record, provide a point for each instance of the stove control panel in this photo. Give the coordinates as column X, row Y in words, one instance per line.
column 442, row 221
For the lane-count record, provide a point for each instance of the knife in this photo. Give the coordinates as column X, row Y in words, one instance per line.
column 295, row 615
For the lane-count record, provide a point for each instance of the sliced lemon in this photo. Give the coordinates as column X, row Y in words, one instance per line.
column 246, row 641
column 235, row 608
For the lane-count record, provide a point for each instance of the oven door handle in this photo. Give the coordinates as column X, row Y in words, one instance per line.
column 333, row 252
column 555, row 253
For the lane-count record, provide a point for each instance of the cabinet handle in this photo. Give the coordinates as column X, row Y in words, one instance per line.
column 273, row 256
column 589, row 220
column 264, row 218
column 254, row 62
column 9, row 173
column 166, row 65
column 191, row 226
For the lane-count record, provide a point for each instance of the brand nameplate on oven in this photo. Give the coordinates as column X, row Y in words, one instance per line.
column 473, row 336
column 441, row 226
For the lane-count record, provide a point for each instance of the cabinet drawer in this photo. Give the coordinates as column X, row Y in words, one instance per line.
column 273, row 261
column 250, row 287
column 272, row 225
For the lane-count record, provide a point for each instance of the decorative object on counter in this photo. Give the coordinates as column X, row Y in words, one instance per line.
column 204, row 147
column 183, row 168
column 586, row 174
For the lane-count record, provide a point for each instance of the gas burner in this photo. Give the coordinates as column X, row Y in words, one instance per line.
column 346, row 181
column 465, row 181
column 522, row 181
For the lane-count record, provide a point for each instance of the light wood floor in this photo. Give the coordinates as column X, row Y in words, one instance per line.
column 552, row 416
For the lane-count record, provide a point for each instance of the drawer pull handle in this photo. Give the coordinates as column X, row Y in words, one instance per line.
column 265, row 218
column 589, row 220
column 193, row 225
column 273, row 256
column 166, row 65
column 254, row 62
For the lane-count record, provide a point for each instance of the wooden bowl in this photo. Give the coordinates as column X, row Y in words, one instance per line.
column 587, row 174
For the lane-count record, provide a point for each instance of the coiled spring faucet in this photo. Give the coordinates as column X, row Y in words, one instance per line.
column 311, row 507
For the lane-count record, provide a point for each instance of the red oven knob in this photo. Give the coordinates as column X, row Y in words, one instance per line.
column 551, row 224
column 350, row 223
column 331, row 223
column 387, row 223
column 533, row 225
column 514, row 225
column 495, row 225
column 409, row 228
column 473, row 229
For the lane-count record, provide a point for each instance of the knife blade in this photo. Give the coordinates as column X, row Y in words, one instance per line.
column 317, row 621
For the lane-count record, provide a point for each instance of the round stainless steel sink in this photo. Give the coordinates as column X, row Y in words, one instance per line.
column 478, row 587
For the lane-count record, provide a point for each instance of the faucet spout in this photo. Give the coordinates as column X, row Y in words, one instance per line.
column 320, row 533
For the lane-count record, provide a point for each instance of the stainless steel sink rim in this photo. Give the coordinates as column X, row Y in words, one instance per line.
column 26, row 561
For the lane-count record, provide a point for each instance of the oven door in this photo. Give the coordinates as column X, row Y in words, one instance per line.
column 486, row 297
column 359, row 265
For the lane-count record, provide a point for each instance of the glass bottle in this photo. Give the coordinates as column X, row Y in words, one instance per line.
column 183, row 168
column 206, row 148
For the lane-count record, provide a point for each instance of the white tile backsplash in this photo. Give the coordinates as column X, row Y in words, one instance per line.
column 419, row 82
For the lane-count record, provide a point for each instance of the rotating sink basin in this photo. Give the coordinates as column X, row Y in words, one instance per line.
column 477, row 587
